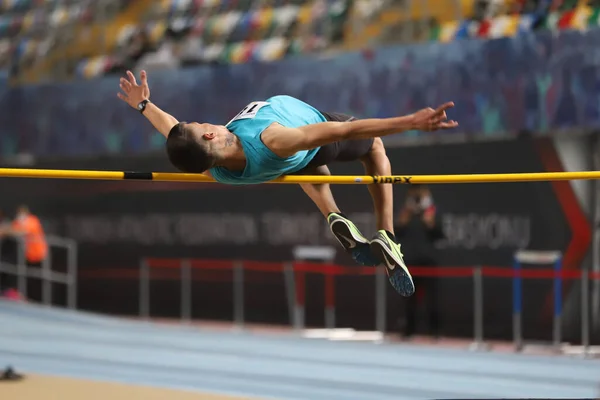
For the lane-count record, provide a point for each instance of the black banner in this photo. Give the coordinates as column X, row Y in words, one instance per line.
column 118, row 223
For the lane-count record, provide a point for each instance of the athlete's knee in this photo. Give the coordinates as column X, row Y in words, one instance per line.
column 376, row 151
column 323, row 170
column 320, row 170
column 378, row 145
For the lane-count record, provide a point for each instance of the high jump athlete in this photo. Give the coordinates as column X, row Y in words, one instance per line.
column 283, row 136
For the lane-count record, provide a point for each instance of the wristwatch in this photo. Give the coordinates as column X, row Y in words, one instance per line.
column 142, row 106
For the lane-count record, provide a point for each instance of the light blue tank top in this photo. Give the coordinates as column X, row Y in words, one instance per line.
column 262, row 164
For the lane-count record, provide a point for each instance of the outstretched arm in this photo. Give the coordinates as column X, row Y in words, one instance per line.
column 134, row 94
column 161, row 120
column 287, row 141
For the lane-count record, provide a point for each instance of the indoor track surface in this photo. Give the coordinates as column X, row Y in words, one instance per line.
column 54, row 342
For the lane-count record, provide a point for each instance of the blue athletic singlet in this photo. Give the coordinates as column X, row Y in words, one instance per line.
column 262, row 164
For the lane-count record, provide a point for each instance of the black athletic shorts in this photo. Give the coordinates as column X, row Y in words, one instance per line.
column 343, row 151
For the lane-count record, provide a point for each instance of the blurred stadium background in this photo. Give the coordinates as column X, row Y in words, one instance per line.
column 525, row 77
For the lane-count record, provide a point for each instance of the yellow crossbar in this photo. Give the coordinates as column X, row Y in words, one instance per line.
column 340, row 179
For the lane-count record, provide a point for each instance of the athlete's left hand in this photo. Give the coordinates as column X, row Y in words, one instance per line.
column 429, row 119
column 132, row 93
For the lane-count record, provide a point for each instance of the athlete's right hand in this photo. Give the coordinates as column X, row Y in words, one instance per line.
column 132, row 93
column 429, row 119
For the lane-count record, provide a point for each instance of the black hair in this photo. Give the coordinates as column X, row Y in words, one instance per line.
column 187, row 153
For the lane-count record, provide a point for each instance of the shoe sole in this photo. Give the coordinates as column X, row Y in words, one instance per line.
column 343, row 233
column 399, row 276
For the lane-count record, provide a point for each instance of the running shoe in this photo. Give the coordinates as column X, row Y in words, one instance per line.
column 388, row 251
column 352, row 240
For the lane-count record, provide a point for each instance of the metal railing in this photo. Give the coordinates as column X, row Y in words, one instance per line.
column 45, row 272
column 294, row 278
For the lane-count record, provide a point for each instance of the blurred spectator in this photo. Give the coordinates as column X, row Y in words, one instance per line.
column 28, row 227
column 418, row 228
column 168, row 54
column 138, row 45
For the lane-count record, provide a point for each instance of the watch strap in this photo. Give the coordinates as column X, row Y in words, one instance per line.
column 142, row 105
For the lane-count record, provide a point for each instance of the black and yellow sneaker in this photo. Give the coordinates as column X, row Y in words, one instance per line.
column 384, row 247
column 353, row 241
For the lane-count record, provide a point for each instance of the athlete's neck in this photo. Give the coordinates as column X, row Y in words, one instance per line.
column 232, row 154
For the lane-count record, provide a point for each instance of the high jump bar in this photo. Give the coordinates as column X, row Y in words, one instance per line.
column 335, row 179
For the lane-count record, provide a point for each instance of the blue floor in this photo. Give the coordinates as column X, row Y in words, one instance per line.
column 58, row 342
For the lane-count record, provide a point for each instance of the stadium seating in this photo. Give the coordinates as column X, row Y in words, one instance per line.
column 522, row 16
column 39, row 33
column 58, row 39
column 54, row 39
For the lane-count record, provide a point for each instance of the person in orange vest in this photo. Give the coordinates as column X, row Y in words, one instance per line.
column 29, row 228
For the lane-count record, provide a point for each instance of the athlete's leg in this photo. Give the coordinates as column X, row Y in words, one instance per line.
column 320, row 194
column 384, row 245
column 349, row 236
column 376, row 162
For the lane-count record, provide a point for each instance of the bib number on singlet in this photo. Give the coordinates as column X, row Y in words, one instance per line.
column 249, row 111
